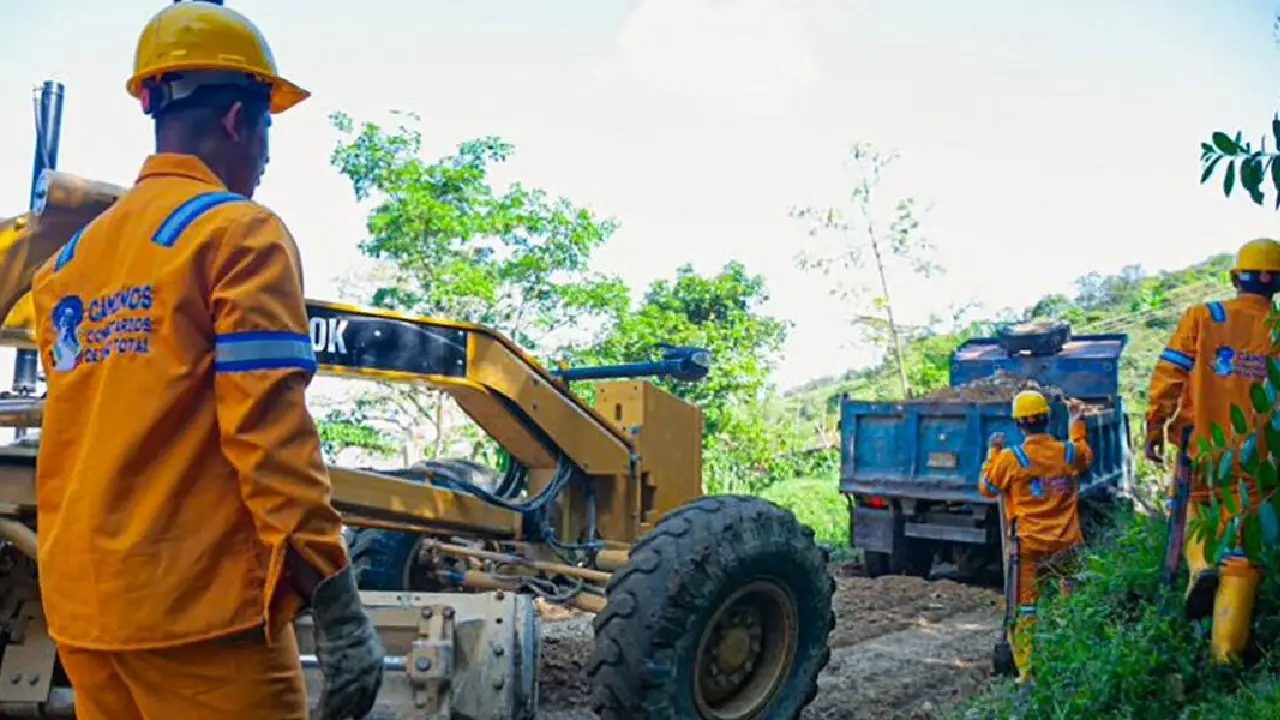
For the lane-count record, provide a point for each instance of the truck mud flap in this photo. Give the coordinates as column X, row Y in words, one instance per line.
column 873, row 530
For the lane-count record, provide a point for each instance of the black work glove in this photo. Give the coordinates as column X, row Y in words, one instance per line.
column 347, row 648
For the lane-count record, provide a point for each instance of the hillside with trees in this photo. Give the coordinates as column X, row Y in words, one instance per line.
column 1143, row 305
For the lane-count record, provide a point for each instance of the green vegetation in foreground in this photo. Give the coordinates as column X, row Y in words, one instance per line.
column 817, row 502
column 1119, row 648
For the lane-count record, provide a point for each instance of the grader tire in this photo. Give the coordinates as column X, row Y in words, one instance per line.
column 384, row 559
column 721, row 613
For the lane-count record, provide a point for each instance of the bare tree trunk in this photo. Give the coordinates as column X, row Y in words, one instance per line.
column 439, row 424
column 888, row 311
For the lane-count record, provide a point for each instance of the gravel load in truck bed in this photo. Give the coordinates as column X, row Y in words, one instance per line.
column 1000, row 387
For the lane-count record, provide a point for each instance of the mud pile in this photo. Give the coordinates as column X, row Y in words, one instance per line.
column 1001, row 387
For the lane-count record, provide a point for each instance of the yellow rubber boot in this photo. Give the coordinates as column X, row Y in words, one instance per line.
column 1202, row 583
column 1233, row 609
column 1020, row 640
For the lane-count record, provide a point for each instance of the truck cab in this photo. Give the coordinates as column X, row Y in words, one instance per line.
column 911, row 468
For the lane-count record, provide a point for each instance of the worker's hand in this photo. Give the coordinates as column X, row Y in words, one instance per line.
column 1155, row 451
column 347, row 648
column 1075, row 409
column 997, row 441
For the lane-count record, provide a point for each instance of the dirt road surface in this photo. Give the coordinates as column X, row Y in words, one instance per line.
column 902, row 648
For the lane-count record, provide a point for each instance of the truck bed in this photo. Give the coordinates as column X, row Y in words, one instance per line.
column 935, row 450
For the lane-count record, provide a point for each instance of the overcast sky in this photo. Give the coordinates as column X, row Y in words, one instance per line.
column 1051, row 138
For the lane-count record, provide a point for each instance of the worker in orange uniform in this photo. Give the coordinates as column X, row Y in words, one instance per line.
column 183, row 506
column 1039, row 481
column 1218, row 350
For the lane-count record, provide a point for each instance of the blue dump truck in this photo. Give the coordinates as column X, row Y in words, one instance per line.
column 911, row 468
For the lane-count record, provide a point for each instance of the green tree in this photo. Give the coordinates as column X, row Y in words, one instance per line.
column 861, row 232
column 720, row 313
column 448, row 244
column 343, row 429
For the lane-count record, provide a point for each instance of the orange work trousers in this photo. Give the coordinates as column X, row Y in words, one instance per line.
column 1035, row 567
column 239, row 677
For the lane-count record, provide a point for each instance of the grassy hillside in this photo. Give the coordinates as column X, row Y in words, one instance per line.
column 1145, row 306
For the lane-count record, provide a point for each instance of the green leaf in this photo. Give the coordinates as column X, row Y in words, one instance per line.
column 1209, row 165
column 1251, row 176
column 1243, row 490
column 1249, row 454
column 1268, row 477
column 1213, row 519
column 1273, row 438
column 1223, row 473
column 1229, row 179
column 1270, row 527
column 1275, row 179
column 1238, row 421
column 1231, row 537
column 1251, row 530
column 1229, row 501
column 1224, row 143
column 1204, row 446
column 1258, row 394
column 1219, row 437
column 1273, row 371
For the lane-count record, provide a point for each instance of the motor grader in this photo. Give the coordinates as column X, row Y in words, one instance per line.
column 714, row 607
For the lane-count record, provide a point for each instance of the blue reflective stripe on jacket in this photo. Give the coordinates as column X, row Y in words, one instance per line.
column 263, row 350
column 186, row 213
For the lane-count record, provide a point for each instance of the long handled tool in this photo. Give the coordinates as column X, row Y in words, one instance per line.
column 1002, row 656
column 1178, row 511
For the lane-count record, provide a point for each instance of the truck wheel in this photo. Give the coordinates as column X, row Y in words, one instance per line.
column 972, row 561
column 911, row 557
column 877, row 564
column 721, row 613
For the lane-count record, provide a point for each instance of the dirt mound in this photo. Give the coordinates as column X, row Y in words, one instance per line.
column 902, row 648
column 1001, row 387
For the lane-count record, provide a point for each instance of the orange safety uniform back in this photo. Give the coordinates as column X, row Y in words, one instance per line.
column 177, row 459
column 1040, row 480
column 1217, row 351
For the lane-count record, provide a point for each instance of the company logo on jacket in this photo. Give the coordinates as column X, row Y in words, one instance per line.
column 68, row 314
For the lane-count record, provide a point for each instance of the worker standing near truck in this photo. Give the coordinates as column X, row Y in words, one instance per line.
column 1217, row 351
column 183, row 506
column 1039, row 483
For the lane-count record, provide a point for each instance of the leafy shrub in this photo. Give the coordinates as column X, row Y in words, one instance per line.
column 1119, row 647
column 816, row 503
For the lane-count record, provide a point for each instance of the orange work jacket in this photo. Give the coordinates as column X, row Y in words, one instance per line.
column 177, row 458
column 1040, row 480
column 1216, row 353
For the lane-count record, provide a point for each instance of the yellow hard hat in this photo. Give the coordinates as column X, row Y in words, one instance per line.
column 1028, row 404
column 1261, row 255
column 202, row 35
